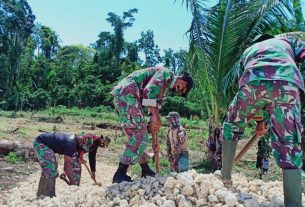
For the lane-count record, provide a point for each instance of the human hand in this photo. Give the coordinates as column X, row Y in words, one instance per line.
column 261, row 128
column 82, row 161
column 62, row 176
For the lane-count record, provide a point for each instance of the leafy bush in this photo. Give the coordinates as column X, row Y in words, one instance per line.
column 104, row 112
column 14, row 158
column 183, row 107
column 40, row 99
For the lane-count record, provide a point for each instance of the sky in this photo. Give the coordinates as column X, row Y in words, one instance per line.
column 80, row 21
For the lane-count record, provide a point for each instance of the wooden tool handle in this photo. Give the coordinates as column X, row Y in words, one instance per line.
column 246, row 148
column 156, row 148
column 89, row 171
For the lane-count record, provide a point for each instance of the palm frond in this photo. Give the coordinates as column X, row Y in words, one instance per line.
column 219, row 35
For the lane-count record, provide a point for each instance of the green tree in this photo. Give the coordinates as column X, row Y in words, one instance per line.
column 176, row 61
column 150, row 49
column 47, row 41
column 16, row 24
column 120, row 24
column 104, row 58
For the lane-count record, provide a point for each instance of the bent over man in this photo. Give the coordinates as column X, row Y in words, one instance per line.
column 73, row 147
column 145, row 87
column 272, row 80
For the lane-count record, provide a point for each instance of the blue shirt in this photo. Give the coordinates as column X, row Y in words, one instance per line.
column 59, row 142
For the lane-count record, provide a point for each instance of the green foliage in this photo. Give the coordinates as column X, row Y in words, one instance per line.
column 264, row 150
column 14, row 158
column 103, row 112
column 150, row 49
column 37, row 73
column 219, row 35
column 183, row 107
column 176, row 61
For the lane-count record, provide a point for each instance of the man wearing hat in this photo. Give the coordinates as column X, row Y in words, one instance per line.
column 270, row 78
column 145, row 87
column 73, row 148
column 177, row 149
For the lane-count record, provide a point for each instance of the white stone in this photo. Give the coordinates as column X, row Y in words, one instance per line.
column 184, row 203
column 199, row 178
column 217, row 173
column 187, row 191
column 201, row 202
column 251, row 203
column 134, row 200
column 204, row 188
column 176, row 191
column 212, row 198
column 185, row 179
column 141, row 192
column 169, row 203
column 221, row 194
column 230, row 199
column 170, row 182
column 123, row 203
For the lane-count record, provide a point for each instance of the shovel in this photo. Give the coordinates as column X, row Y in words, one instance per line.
column 259, row 132
column 89, row 171
column 63, row 177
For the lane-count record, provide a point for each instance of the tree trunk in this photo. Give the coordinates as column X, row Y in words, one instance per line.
column 24, row 149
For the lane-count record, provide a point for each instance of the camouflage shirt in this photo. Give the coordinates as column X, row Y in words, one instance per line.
column 145, row 83
column 273, row 59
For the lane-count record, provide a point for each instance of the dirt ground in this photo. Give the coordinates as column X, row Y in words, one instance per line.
column 25, row 129
column 23, row 193
column 11, row 175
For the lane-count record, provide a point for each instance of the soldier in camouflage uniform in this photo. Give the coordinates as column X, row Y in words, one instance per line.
column 177, row 149
column 145, row 87
column 72, row 147
column 271, row 79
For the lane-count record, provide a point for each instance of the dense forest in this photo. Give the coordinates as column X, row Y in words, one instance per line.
column 37, row 72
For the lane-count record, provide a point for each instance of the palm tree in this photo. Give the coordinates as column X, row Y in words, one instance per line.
column 219, row 35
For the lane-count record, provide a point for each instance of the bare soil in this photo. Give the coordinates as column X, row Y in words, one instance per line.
column 25, row 129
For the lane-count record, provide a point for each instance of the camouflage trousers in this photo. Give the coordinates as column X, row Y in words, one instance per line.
column 73, row 169
column 47, row 159
column 49, row 165
column 133, row 123
column 281, row 99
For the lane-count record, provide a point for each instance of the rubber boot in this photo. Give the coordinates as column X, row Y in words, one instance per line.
column 120, row 175
column 292, row 185
column 46, row 187
column 41, row 186
column 50, row 191
column 146, row 171
column 228, row 154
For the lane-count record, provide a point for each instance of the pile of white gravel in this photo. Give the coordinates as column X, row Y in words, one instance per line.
column 182, row 190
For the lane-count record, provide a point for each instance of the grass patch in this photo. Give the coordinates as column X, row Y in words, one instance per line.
column 14, row 158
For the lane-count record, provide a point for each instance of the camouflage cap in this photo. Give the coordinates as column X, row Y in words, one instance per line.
column 172, row 114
